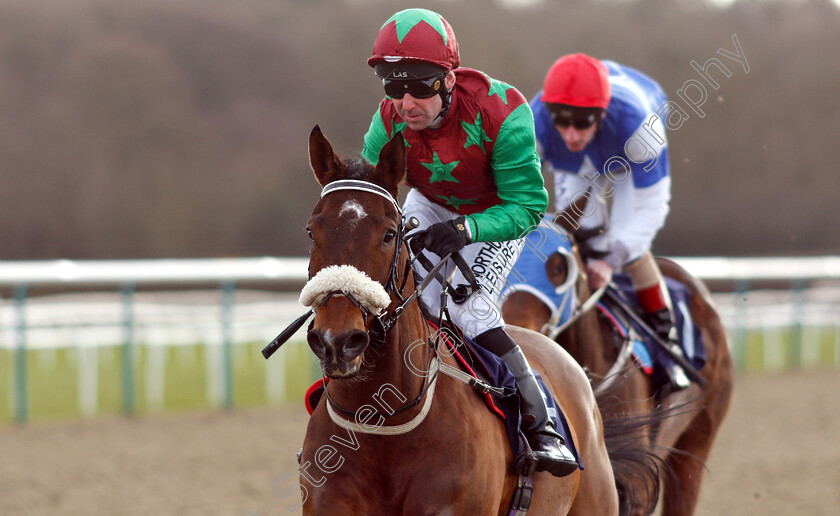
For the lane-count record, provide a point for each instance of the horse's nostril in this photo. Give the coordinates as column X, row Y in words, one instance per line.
column 352, row 344
column 316, row 343
column 345, row 347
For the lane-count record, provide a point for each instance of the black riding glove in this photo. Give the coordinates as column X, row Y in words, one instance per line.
column 444, row 237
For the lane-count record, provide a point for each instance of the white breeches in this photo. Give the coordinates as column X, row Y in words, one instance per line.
column 490, row 262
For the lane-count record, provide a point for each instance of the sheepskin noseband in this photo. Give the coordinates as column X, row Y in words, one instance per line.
column 348, row 280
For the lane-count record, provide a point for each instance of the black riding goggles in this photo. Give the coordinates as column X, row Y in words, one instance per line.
column 418, row 88
column 578, row 123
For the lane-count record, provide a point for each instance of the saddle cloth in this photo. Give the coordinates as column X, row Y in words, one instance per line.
column 649, row 354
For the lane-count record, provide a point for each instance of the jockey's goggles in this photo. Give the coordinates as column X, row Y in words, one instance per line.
column 564, row 115
column 418, row 88
column 578, row 123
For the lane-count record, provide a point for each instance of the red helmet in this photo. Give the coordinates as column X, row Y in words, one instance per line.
column 416, row 34
column 577, row 80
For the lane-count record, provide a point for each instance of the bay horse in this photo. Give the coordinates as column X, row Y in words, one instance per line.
column 389, row 435
column 682, row 440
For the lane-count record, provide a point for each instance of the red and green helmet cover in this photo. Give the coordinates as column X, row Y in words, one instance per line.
column 416, row 34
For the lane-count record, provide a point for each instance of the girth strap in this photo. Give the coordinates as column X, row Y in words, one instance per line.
column 522, row 496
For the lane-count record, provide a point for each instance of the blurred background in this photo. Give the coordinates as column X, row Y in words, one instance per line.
column 144, row 131
column 178, row 128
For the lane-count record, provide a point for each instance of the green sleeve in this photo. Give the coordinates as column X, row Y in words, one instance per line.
column 375, row 138
column 519, row 182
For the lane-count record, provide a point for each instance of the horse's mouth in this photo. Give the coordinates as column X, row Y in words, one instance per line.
column 340, row 369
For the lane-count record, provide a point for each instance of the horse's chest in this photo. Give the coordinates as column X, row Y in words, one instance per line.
column 405, row 482
column 422, row 496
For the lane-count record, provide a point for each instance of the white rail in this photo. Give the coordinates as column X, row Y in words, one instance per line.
column 802, row 328
column 780, row 268
column 92, row 272
column 185, row 271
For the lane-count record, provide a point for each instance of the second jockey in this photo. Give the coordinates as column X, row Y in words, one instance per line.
column 599, row 130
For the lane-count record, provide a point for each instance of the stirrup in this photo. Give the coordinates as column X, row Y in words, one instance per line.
column 677, row 378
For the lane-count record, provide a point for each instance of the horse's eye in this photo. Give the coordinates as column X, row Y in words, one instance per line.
column 309, row 233
column 389, row 237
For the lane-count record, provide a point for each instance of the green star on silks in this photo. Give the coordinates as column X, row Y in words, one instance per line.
column 407, row 20
column 475, row 133
column 455, row 202
column 441, row 171
column 499, row 88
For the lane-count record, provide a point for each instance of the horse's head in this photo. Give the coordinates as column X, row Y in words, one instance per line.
column 551, row 253
column 356, row 239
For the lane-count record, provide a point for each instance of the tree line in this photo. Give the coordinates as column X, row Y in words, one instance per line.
column 178, row 128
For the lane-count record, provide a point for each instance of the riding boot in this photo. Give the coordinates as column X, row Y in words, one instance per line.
column 551, row 451
column 656, row 304
column 547, row 444
column 662, row 324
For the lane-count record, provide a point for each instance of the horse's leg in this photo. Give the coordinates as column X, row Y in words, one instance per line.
column 683, row 488
column 691, row 432
column 697, row 440
column 632, row 398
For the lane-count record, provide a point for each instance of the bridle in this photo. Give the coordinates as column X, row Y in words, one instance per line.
column 382, row 321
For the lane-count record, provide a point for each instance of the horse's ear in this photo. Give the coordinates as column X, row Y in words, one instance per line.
column 391, row 167
column 322, row 159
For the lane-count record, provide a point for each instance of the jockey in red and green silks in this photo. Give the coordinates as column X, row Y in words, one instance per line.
column 476, row 184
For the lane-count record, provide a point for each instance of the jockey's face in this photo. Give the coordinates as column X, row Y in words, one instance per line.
column 418, row 114
column 577, row 139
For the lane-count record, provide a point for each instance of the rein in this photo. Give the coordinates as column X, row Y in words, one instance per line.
column 582, row 309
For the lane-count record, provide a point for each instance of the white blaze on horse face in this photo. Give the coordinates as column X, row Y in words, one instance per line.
column 354, row 209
